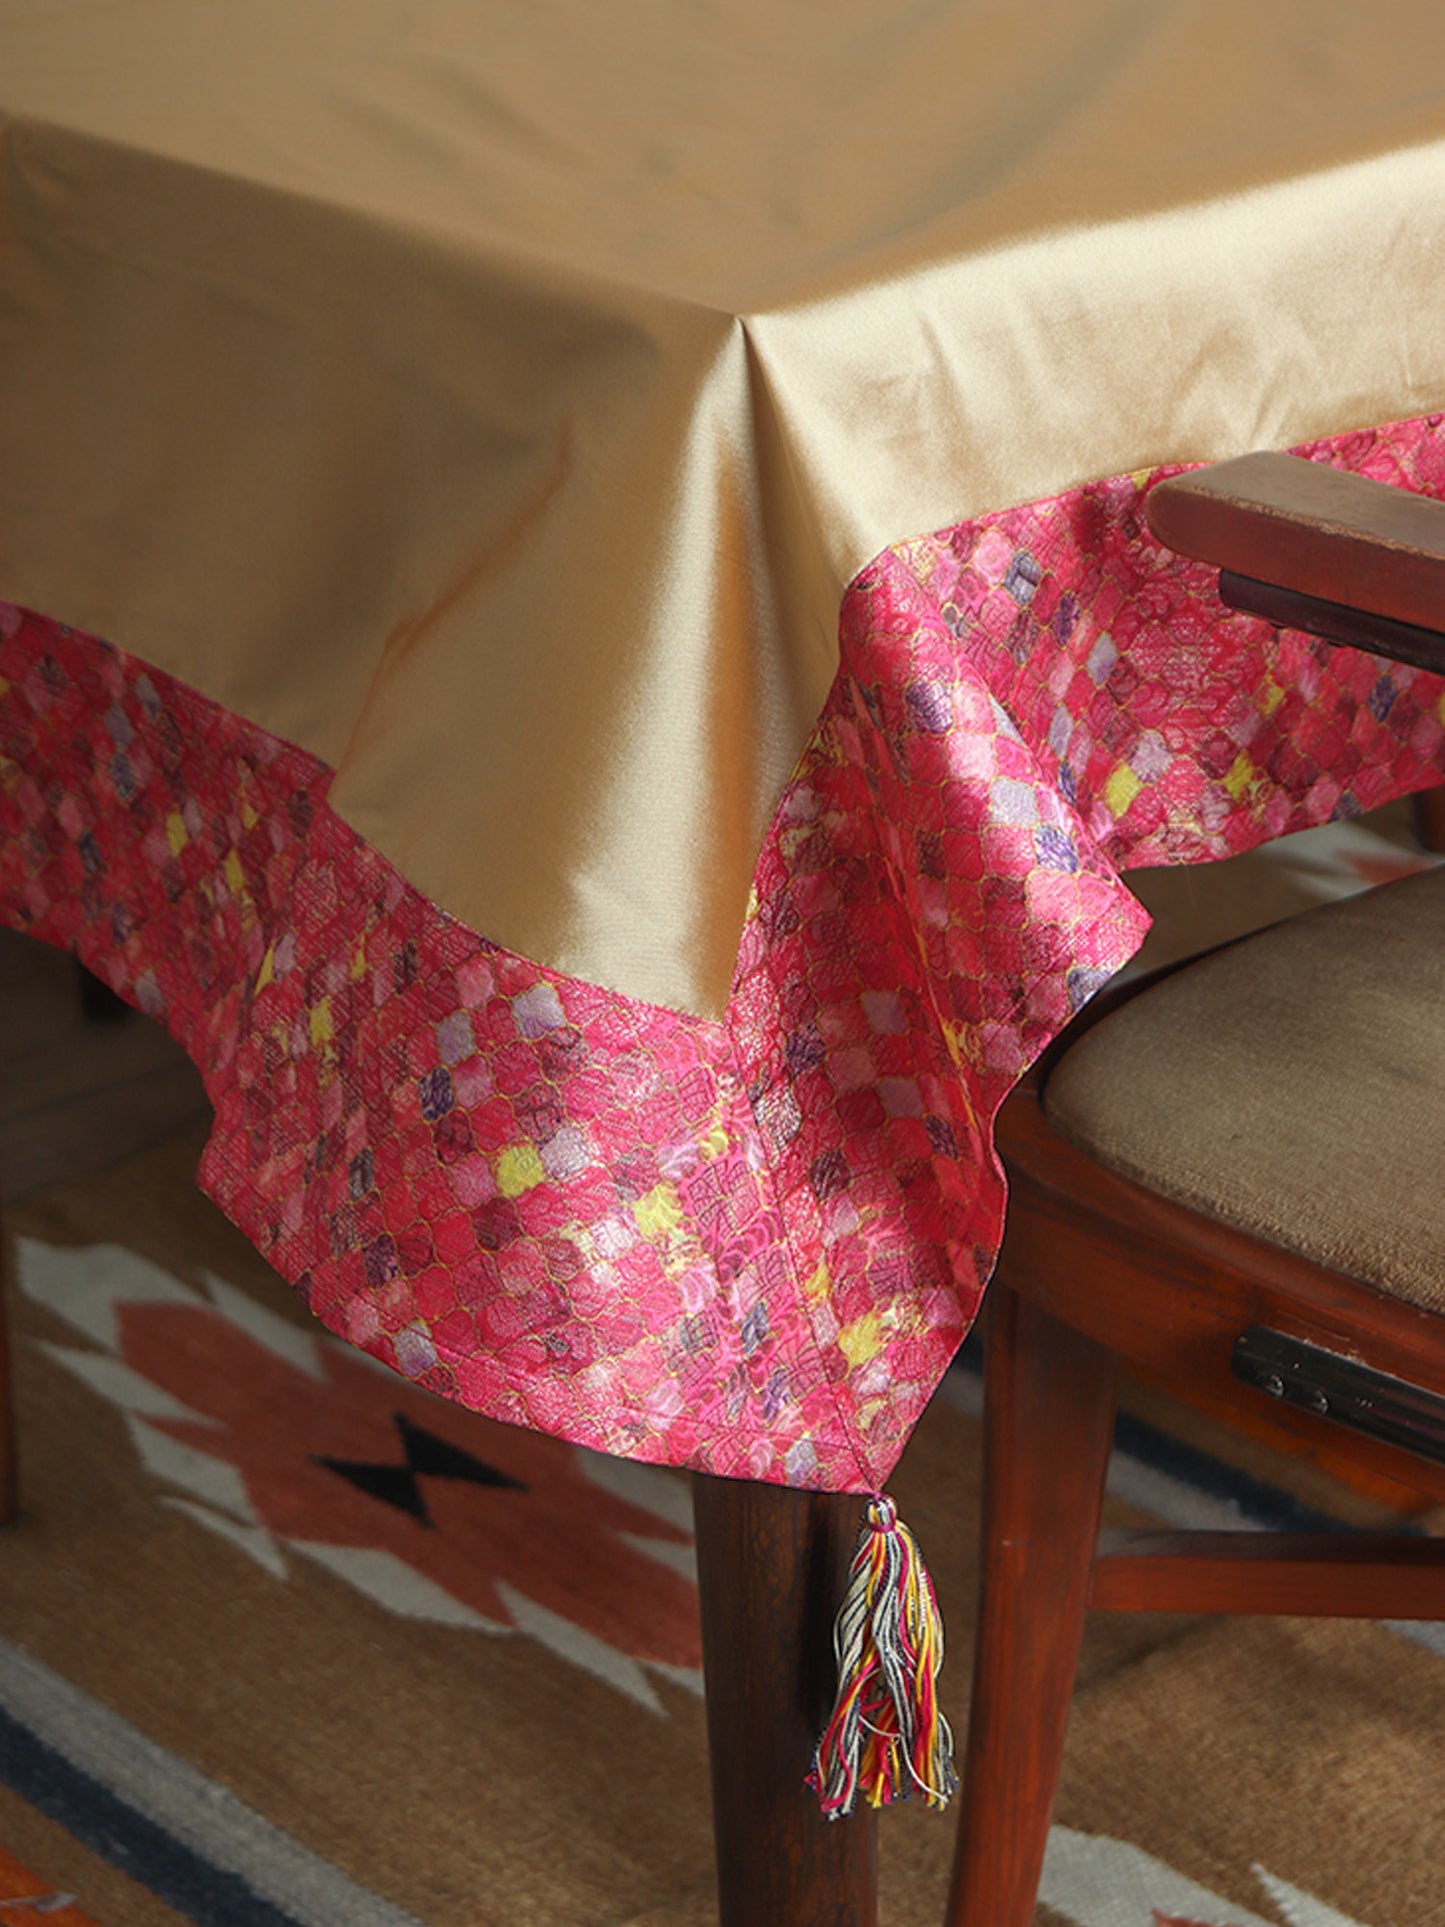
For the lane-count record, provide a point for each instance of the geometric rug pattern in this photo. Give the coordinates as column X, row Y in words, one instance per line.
column 285, row 1442
column 273, row 1499
column 286, row 1642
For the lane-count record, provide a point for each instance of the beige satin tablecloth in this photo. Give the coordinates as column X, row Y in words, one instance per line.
column 496, row 400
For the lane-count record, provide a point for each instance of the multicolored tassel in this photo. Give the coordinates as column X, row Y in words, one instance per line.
column 886, row 1736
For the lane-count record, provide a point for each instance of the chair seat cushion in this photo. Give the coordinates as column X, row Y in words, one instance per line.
column 1292, row 1085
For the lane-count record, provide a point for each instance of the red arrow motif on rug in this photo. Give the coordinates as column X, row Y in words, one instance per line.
column 357, row 1459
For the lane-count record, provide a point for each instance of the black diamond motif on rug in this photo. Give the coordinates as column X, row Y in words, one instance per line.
column 427, row 1456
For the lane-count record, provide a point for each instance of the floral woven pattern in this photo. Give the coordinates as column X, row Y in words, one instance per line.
column 752, row 1246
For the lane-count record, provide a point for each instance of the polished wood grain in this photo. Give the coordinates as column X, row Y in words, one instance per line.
column 1136, row 1278
column 1048, row 1425
column 1288, row 609
column 772, row 1567
column 1313, row 529
column 1319, row 1574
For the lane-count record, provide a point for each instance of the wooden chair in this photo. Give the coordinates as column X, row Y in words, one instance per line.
column 1229, row 1176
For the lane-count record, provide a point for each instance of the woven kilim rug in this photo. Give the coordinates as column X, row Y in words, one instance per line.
column 285, row 1643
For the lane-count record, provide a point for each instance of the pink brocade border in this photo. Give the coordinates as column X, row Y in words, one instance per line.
column 750, row 1247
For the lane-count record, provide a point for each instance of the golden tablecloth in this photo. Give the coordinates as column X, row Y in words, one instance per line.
column 496, row 402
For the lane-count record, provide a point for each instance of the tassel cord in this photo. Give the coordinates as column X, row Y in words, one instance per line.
column 886, row 1735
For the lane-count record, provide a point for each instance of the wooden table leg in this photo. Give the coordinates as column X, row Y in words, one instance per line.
column 1430, row 818
column 9, row 1495
column 772, row 1566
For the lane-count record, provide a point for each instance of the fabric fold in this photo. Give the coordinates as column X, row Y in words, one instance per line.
column 499, row 410
column 749, row 1246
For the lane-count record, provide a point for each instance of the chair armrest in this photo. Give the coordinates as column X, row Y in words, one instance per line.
column 1312, row 547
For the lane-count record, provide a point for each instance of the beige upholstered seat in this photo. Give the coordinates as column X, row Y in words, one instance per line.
column 1292, row 1085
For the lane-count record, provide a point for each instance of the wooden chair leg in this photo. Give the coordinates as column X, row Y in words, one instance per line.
column 1048, row 1426
column 772, row 1565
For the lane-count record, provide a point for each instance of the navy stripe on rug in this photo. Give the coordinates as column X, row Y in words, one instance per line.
column 1253, row 1499
column 188, row 1838
column 208, row 1895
